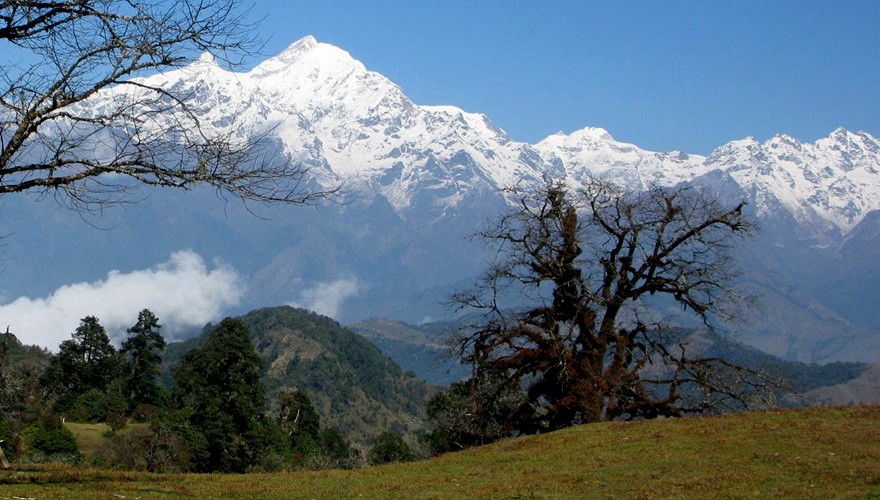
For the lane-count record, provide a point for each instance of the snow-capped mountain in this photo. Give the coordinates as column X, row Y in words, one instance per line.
column 355, row 126
column 419, row 178
column 835, row 180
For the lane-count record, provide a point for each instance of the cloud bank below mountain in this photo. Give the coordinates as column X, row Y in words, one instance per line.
column 183, row 292
column 327, row 297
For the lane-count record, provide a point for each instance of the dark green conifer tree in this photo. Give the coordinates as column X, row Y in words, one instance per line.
column 142, row 353
column 86, row 361
column 220, row 387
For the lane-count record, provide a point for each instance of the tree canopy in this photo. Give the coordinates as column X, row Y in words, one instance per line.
column 299, row 420
column 142, row 354
column 87, row 361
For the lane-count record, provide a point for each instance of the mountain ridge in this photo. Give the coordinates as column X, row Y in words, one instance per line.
column 353, row 386
column 353, row 125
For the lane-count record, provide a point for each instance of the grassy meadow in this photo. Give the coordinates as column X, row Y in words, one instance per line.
column 819, row 453
column 90, row 437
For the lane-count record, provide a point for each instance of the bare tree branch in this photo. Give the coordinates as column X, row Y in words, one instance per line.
column 78, row 120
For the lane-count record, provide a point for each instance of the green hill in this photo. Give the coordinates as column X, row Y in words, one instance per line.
column 811, row 453
column 355, row 387
column 17, row 354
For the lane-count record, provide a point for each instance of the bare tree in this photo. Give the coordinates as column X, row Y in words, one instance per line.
column 590, row 350
column 57, row 137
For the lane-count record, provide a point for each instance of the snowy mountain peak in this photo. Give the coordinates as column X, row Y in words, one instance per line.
column 302, row 45
column 839, row 133
column 307, row 58
column 784, row 139
column 206, row 58
column 592, row 134
column 293, row 53
column 584, row 135
column 749, row 143
column 835, row 180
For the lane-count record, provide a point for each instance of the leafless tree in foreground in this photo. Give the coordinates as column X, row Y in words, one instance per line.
column 55, row 138
column 587, row 351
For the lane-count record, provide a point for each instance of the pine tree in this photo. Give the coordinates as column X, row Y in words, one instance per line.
column 142, row 352
column 97, row 358
column 86, row 361
column 219, row 385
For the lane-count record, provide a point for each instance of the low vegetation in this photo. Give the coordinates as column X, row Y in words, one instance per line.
column 818, row 453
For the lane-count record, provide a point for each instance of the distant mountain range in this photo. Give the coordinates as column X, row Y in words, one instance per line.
column 357, row 128
column 415, row 348
column 418, row 179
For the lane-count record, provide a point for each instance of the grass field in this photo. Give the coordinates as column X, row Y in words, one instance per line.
column 818, row 453
column 90, row 437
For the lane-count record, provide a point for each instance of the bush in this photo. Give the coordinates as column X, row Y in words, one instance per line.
column 332, row 452
column 335, row 447
column 389, row 447
column 154, row 449
column 54, row 443
column 116, row 421
column 144, row 412
column 90, row 406
column 9, row 442
column 96, row 405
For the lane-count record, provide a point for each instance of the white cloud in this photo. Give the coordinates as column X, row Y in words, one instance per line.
column 182, row 292
column 326, row 298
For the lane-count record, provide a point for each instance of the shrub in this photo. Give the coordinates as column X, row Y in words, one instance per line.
column 335, row 447
column 54, row 443
column 389, row 447
column 96, row 405
column 154, row 449
column 116, row 421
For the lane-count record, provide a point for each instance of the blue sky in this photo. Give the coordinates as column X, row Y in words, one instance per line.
column 663, row 75
column 681, row 75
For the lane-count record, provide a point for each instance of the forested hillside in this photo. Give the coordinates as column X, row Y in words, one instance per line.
column 355, row 387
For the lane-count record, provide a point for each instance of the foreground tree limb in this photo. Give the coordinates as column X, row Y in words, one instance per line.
column 57, row 137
